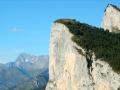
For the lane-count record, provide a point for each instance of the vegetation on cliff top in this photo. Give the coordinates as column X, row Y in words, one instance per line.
column 104, row 44
column 113, row 6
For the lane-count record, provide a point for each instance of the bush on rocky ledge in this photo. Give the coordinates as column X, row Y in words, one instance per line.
column 104, row 44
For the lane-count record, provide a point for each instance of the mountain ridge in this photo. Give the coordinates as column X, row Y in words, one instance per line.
column 16, row 73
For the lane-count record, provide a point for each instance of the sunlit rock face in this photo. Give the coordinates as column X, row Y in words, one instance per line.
column 111, row 19
column 68, row 69
column 65, row 62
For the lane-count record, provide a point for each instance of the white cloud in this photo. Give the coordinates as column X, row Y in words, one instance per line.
column 14, row 29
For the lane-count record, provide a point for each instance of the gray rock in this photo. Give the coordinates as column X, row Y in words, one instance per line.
column 21, row 74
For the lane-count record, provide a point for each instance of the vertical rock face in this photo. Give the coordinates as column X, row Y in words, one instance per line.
column 65, row 63
column 111, row 19
column 68, row 70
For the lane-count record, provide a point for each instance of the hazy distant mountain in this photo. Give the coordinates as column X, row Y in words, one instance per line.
column 24, row 73
column 36, row 83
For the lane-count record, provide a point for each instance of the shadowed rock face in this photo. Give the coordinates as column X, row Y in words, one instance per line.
column 68, row 70
column 111, row 19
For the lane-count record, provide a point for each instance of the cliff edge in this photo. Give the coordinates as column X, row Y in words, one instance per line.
column 70, row 70
column 84, row 57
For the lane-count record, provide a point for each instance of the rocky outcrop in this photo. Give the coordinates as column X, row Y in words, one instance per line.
column 111, row 18
column 70, row 70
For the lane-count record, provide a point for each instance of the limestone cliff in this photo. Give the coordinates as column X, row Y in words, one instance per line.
column 68, row 69
column 71, row 70
column 111, row 18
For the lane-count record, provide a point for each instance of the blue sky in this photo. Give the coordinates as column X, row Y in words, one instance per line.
column 25, row 24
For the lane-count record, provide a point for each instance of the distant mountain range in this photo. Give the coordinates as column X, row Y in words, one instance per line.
column 28, row 72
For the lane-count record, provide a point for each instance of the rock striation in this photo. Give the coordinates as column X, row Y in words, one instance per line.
column 111, row 18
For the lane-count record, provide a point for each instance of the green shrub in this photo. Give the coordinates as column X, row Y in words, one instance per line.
column 104, row 44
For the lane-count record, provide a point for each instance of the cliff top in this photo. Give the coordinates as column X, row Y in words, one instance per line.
column 72, row 22
column 67, row 21
column 111, row 5
column 104, row 44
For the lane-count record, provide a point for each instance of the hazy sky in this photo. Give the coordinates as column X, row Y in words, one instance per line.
column 25, row 24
